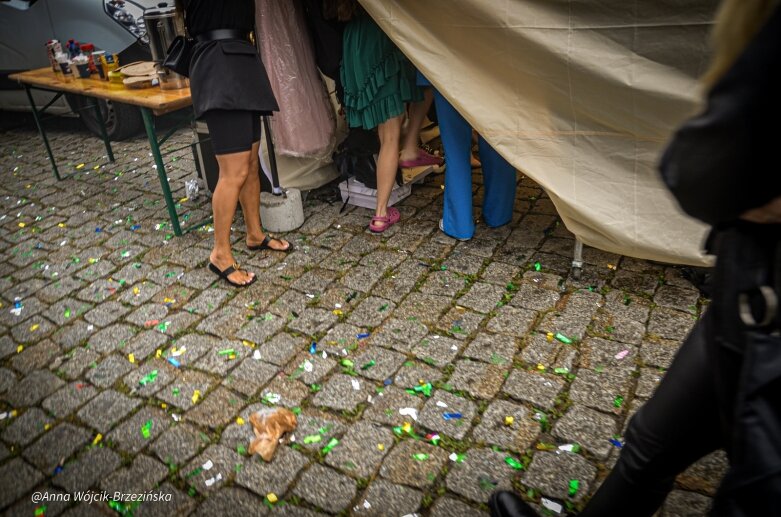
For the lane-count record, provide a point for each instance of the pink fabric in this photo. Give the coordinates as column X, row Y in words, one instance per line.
column 305, row 125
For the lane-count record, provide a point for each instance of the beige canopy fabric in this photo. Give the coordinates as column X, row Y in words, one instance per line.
column 580, row 95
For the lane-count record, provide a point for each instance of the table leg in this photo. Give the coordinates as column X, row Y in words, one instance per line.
column 42, row 132
column 169, row 200
column 102, row 124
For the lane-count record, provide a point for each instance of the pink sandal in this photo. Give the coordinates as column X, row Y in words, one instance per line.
column 392, row 217
column 422, row 159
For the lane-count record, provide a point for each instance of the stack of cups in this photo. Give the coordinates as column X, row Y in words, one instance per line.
column 64, row 62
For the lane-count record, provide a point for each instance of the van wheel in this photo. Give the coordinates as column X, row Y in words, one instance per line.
column 122, row 120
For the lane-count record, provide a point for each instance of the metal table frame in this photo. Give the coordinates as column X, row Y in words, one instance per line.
column 151, row 133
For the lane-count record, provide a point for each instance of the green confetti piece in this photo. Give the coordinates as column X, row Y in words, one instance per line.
column 227, row 351
column 347, row 363
column 163, row 326
column 296, row 410
column 537, row 266
column 333, row 442
column 312, row 438
column 515, row 464
column 561, row 371
column 240, row 449
column 383, row 307
column 564, row 339
column 146, row 429
column 420, row 456
column 67, row 312
column 368, row 365
column 618, row 401
column 176, row 392
column 40, row 510
column 150, row 377
column 574, row 486
column 425, row 389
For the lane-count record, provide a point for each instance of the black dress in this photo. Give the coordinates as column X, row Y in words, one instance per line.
column 226, row 74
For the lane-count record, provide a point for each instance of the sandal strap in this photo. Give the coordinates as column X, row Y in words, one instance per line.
column 266, row 240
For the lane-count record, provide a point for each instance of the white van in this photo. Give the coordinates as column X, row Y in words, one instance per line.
column 116, row 26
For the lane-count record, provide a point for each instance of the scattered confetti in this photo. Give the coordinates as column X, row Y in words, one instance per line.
column 313, row 348
column 174, row 362
column 551, row 505
column 271, row 497
column 240, row 421
column 574, row 486
column 333, row 442
column 97, row 439
column 457, row 457
column 363, row 335
column 312, row 438
column 131, row 358
column 564, row 339
column 622, row 354
column 150, row 377
column 420, row 456
column 513, row 463
column 618, row 401
column 368, row 365
column 410, row 412
column 616, row 443
column 508, row 420
column 146, row 429
column 537, row 266
column 451, row 416
column 196, row 396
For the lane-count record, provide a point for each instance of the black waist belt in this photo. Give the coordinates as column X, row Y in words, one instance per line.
column 219, row 34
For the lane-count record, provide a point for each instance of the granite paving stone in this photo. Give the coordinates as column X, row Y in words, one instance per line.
column 451, row 507
column 361, row 450
column 231, row 501
column 384, row 408
column 413, row 374
column 670, row 324
column 480, row 380
column 399, row 334
column 460, row 323
column 35, row 357
column 289, row 392
column 385, row 498
column 109, row 370
column 591, row 429
column 424, row 308
column 482, row 297
column 551, row 474
column 311, row 422
column 32, row 330
column 249, row 376
column 437, row 350
column 326, row 488
column 7, row 379
column 223, row 468
column 106, row 409
column 441, row 414
column 73, row 335
column 371, row 312
column 179, row 503
column 281, row 348
column 106, row 313
column 138, row 431
column 312, row 321
column 400, row 466
column 216, row 409
column 343, row 392
column 512, row 321
column 535, row 298
column 536, row 388
column 686, row 504
column 260, row 328
column 378, row 364
column 113, row 338
column 26, row 427
column 178, row 444
column 482, row 472
column 56, row 445
column 599, row 353
column 86, row 471
column 34, row 387
column 143, row 474
column 16, row 478
column 69, row 398
column 517, row 433
column 496, row 349
column 273, row 477
column 600, row 390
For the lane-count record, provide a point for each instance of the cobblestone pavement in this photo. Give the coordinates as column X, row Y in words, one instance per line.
column 411, row 328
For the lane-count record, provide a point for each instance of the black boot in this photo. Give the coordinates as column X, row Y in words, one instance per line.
column 508, row 504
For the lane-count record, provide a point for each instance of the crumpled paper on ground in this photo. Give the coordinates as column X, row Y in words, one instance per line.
column 269, row 425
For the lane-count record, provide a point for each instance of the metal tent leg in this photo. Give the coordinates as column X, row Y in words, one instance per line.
column 577, row 259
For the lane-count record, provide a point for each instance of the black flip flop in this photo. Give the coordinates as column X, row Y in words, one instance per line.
column 225, row 273
column 265, row 245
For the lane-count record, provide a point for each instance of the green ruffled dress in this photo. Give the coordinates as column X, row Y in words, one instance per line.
column 377, row 78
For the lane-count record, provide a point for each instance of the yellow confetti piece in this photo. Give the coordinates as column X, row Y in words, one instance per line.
column 131, row 358
column 158, row 354
column 337, row 312
column 169, row 300
column 184, row 199
column 35, row 327
column 240, row 421
column 196, row 396
column 14, row 413
column 92, row 260
column 380, row 447
column 540, row 367
column 96, row 167
column 97, row 439
column 164, row 405
column 406, row 427
column 22, row 225
column 61, row 225
column 19, row 349
column 549, row 337
column 29, row 185
column 46, row 427
column 612, row 266
column 272, row 497
column 136, row 290
column 508, row 420
column 80, row 166
column 248, row 343
column 231, row 357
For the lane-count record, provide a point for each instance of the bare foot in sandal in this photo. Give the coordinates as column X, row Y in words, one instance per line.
column 267, row 242
column 221, row 266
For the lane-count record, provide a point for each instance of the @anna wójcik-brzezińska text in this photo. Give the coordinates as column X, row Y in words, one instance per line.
column 102, row 496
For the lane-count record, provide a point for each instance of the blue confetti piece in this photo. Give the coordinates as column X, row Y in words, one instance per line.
column 313, row 348
column 98, row 230
column 174, row 362
column 617, row 443
column 388, row 381
column 363, row 335
column 57, row 470
column 18, row 305
column 451, row 416
column 135, row 227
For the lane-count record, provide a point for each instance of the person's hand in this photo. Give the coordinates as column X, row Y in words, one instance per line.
column 767, row 214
